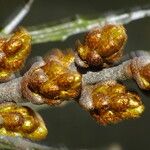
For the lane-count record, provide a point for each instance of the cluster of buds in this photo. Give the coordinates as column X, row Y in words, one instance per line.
column 59, row 77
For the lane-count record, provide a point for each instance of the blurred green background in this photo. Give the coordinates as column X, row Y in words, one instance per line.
column 70, row 126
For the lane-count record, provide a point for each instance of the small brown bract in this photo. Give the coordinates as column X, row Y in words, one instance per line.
column 145, row 76
column 145, row 72
column 140, row 71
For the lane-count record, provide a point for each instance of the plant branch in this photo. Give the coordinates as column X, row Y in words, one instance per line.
column 61, row 32
column 18, row 18
column 13, row 143
column 12, row 90
column 114, row 73
column 133, row 54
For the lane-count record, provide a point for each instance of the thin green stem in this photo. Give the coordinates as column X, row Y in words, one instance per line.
column 60, row 32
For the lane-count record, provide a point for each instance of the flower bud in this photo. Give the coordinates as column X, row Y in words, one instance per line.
column 13, row 53
column 102, row 46
column 110, row 102
column 21, row 121
column 53, row 82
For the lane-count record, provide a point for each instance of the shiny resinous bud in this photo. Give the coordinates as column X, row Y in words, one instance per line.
column 110, row 102
column 54, row 81
column 102, row 46
column 13, row 53
column 21, row 121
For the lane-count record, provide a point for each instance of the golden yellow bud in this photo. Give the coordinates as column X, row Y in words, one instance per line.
column 112, row 103
column 21, row 121
column 13, row 53
column 103, row 45
column 54, row 82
